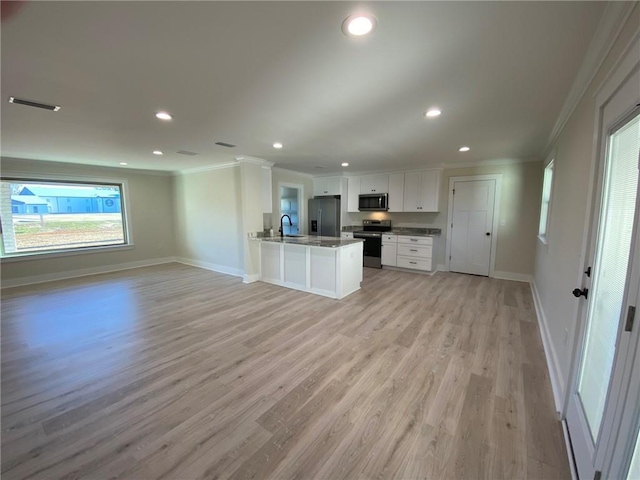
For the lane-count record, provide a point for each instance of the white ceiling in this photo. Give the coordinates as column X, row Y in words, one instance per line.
column 252, row 73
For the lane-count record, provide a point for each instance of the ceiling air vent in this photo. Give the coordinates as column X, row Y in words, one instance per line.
column 187, row 152
column 224, row 144
column 29, row 103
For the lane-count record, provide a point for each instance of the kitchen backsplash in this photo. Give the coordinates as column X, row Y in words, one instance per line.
column 398, row 219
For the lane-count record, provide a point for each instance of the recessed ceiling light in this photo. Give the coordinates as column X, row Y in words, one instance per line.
column 124, row 163
column 433, row 112
column 157, row 152
column 277, row 145
column 464, row 149
column 163, row 116
column 345, row 164
column 358, row 25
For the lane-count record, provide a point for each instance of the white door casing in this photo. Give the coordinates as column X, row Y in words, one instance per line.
column 302, row 206
column 472, row 224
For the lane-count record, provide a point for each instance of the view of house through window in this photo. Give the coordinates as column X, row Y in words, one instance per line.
column 543, row 230
column 49, row 216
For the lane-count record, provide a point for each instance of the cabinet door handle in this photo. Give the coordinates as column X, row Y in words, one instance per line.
column 412, row 250
column 413, row 263
column 413, row 239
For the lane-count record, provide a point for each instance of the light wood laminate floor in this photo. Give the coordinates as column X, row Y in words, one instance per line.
column 177, row 372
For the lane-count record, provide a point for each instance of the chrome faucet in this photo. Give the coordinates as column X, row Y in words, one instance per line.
column 290, row 224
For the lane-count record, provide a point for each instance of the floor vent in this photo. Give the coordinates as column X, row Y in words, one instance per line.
column 29, row 103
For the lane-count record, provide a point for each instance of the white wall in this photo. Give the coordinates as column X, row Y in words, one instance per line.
column 558, row 266
column 151, row 221
column 251, row 184
column 208, row 212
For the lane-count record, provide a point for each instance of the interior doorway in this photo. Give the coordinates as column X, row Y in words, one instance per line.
column 472, row 227
column 291, row 203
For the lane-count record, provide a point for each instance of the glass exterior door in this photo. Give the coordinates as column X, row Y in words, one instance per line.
column 610, row 272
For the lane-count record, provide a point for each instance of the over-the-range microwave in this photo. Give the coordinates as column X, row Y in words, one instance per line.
column 373, row 202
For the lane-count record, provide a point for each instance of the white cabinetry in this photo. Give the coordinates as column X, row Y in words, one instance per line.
column 389, row 250
column 331, row 272
column 348, row 235
column 396, row 192
column 327, row 186
column 421, row 191
column 374, row 184
column 353, row 192
column 415, row 252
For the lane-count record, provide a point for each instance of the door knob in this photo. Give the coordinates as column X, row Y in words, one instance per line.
column 488, row 234
column 579, row 293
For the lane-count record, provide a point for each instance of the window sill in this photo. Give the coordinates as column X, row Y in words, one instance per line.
column 64, row 253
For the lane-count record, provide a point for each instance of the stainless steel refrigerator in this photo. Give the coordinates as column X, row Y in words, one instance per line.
column 324, row 216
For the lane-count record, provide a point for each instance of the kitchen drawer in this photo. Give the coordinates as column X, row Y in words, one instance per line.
column 415, row 251
column 389, row 239
column 414, row 263
column 415, row 240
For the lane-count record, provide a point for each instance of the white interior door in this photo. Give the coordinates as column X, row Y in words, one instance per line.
column 472, row 226
column 610, row 287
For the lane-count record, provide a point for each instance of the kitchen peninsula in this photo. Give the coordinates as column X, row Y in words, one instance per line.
column 327, row 266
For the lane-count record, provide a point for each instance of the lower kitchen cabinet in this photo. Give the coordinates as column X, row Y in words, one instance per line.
column 404, row 251
column 414, row 263
column 389, row 254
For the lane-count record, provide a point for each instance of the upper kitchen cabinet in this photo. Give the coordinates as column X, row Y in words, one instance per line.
column 421, row 191
column 327, row 186
column 396, row 192
column 374, row 184
column 353, row 194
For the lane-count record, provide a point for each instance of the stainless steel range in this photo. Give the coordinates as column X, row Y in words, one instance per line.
column 371, row 232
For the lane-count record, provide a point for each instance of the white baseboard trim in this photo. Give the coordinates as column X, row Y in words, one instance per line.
column 517, row 277
column 83, row 272
column 557, row 382
column 254, row 277
column 214, row 267
column 441, row 268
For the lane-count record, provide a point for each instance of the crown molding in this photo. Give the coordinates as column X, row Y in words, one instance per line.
column 51, row 163
column 441, row 167
column 206, row 168
column 254, row 161
column 291, row 172
column 613, row 20
column 492, row 162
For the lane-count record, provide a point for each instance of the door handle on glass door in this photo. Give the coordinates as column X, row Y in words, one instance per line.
column 579, row 293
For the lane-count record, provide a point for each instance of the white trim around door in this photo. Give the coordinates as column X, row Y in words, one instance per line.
column 496, row 216
column 302, row 207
